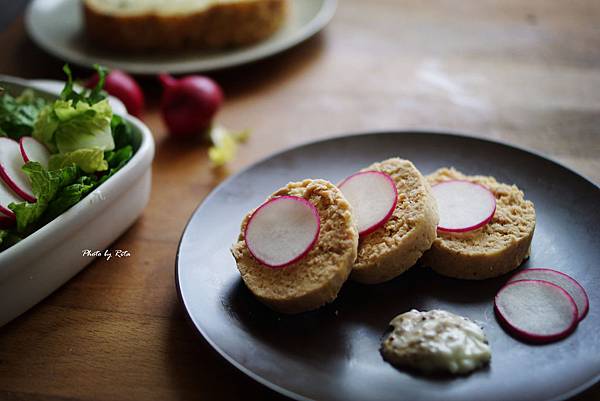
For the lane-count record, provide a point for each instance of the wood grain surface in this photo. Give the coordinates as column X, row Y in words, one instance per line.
column 523, row 72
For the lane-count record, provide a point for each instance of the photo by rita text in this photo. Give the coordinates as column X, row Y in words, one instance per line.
column 106, row 254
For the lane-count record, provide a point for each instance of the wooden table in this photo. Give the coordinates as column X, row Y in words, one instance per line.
column 524, row 72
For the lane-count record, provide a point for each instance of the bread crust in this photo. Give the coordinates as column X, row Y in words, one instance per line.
column 317, row 278
column 392, row 249
column 220, row 25
column 493, row 250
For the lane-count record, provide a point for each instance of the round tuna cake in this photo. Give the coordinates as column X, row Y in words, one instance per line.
column 411, row 229
column 317, row 278
column 492, row 250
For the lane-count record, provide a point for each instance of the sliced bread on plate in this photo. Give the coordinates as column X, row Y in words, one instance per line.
column 155, row 25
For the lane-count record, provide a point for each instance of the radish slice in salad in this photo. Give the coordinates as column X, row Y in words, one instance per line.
column 536, row 310
column 282, row 230
column 463, row 205
column 373, row 196
column 11, row 162
column 567, row 283
column 7, row 196
column 34, row 150
column 6, row 221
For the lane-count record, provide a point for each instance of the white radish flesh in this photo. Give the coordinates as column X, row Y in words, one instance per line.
column 33, row 151
column 11, row 162
column 536, row 310
column 373, row 196
column 7, row 196
column 282, row 230
column 567, row 283
column 463, row 205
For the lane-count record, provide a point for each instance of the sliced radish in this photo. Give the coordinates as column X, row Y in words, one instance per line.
column 282, row 230
column 11, row 162
column 33, row 150
column 463, row 205
column 567, row 283
column 536, row 310
column 6, row 221
column 373, row 196
column 7, row 196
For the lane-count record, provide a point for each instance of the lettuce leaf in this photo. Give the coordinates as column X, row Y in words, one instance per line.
column 45, row 185
column 18, row 114
column 89, row 96
column 65, row 127
column 69, row 196
column 8, row 238
column 88, row 160
column 78, row 121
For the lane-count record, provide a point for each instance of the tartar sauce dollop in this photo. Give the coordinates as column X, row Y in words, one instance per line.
column 436, row 341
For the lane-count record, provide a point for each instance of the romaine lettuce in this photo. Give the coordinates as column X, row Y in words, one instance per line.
column 45, row 185
column 76, row 122
column 89, row 160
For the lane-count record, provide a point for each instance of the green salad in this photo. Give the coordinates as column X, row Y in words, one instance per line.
column 86, row 144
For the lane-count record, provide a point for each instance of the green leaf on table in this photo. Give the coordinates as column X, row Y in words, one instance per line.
column 225, row 144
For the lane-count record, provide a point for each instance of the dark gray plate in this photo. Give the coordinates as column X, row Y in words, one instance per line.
column 332, row 353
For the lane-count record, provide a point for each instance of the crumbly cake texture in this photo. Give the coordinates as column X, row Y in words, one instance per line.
column 393, row 248
column 317, row 278
column 150, row 26
column 493, row 250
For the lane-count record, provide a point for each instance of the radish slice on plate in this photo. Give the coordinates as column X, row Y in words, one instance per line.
column 536, row 310
column 11, row 162
column 463, row 205
column 33, row 150
column 373, row 196
column 282, row 230
column 567, row 283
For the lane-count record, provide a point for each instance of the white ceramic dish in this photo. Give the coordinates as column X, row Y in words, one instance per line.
column 42, row 262
column 57, row 27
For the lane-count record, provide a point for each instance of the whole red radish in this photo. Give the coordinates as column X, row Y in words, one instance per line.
column 189, row 104
column 122, row 86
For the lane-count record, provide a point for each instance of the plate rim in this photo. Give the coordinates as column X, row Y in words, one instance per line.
column 303, row 33
column 453, row 133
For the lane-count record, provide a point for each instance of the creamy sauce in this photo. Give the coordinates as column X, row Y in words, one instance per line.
column 436, row 341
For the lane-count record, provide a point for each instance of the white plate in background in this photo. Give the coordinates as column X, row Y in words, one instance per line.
column 57, row 27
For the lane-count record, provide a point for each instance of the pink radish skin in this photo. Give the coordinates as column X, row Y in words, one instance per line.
column 7, row 213
column 564, row 310
column 11, row 162
column 564, row 281
column 370, row 192
column 267, row 226
column 470, row 198
column 34, row 150
column 189, row 104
